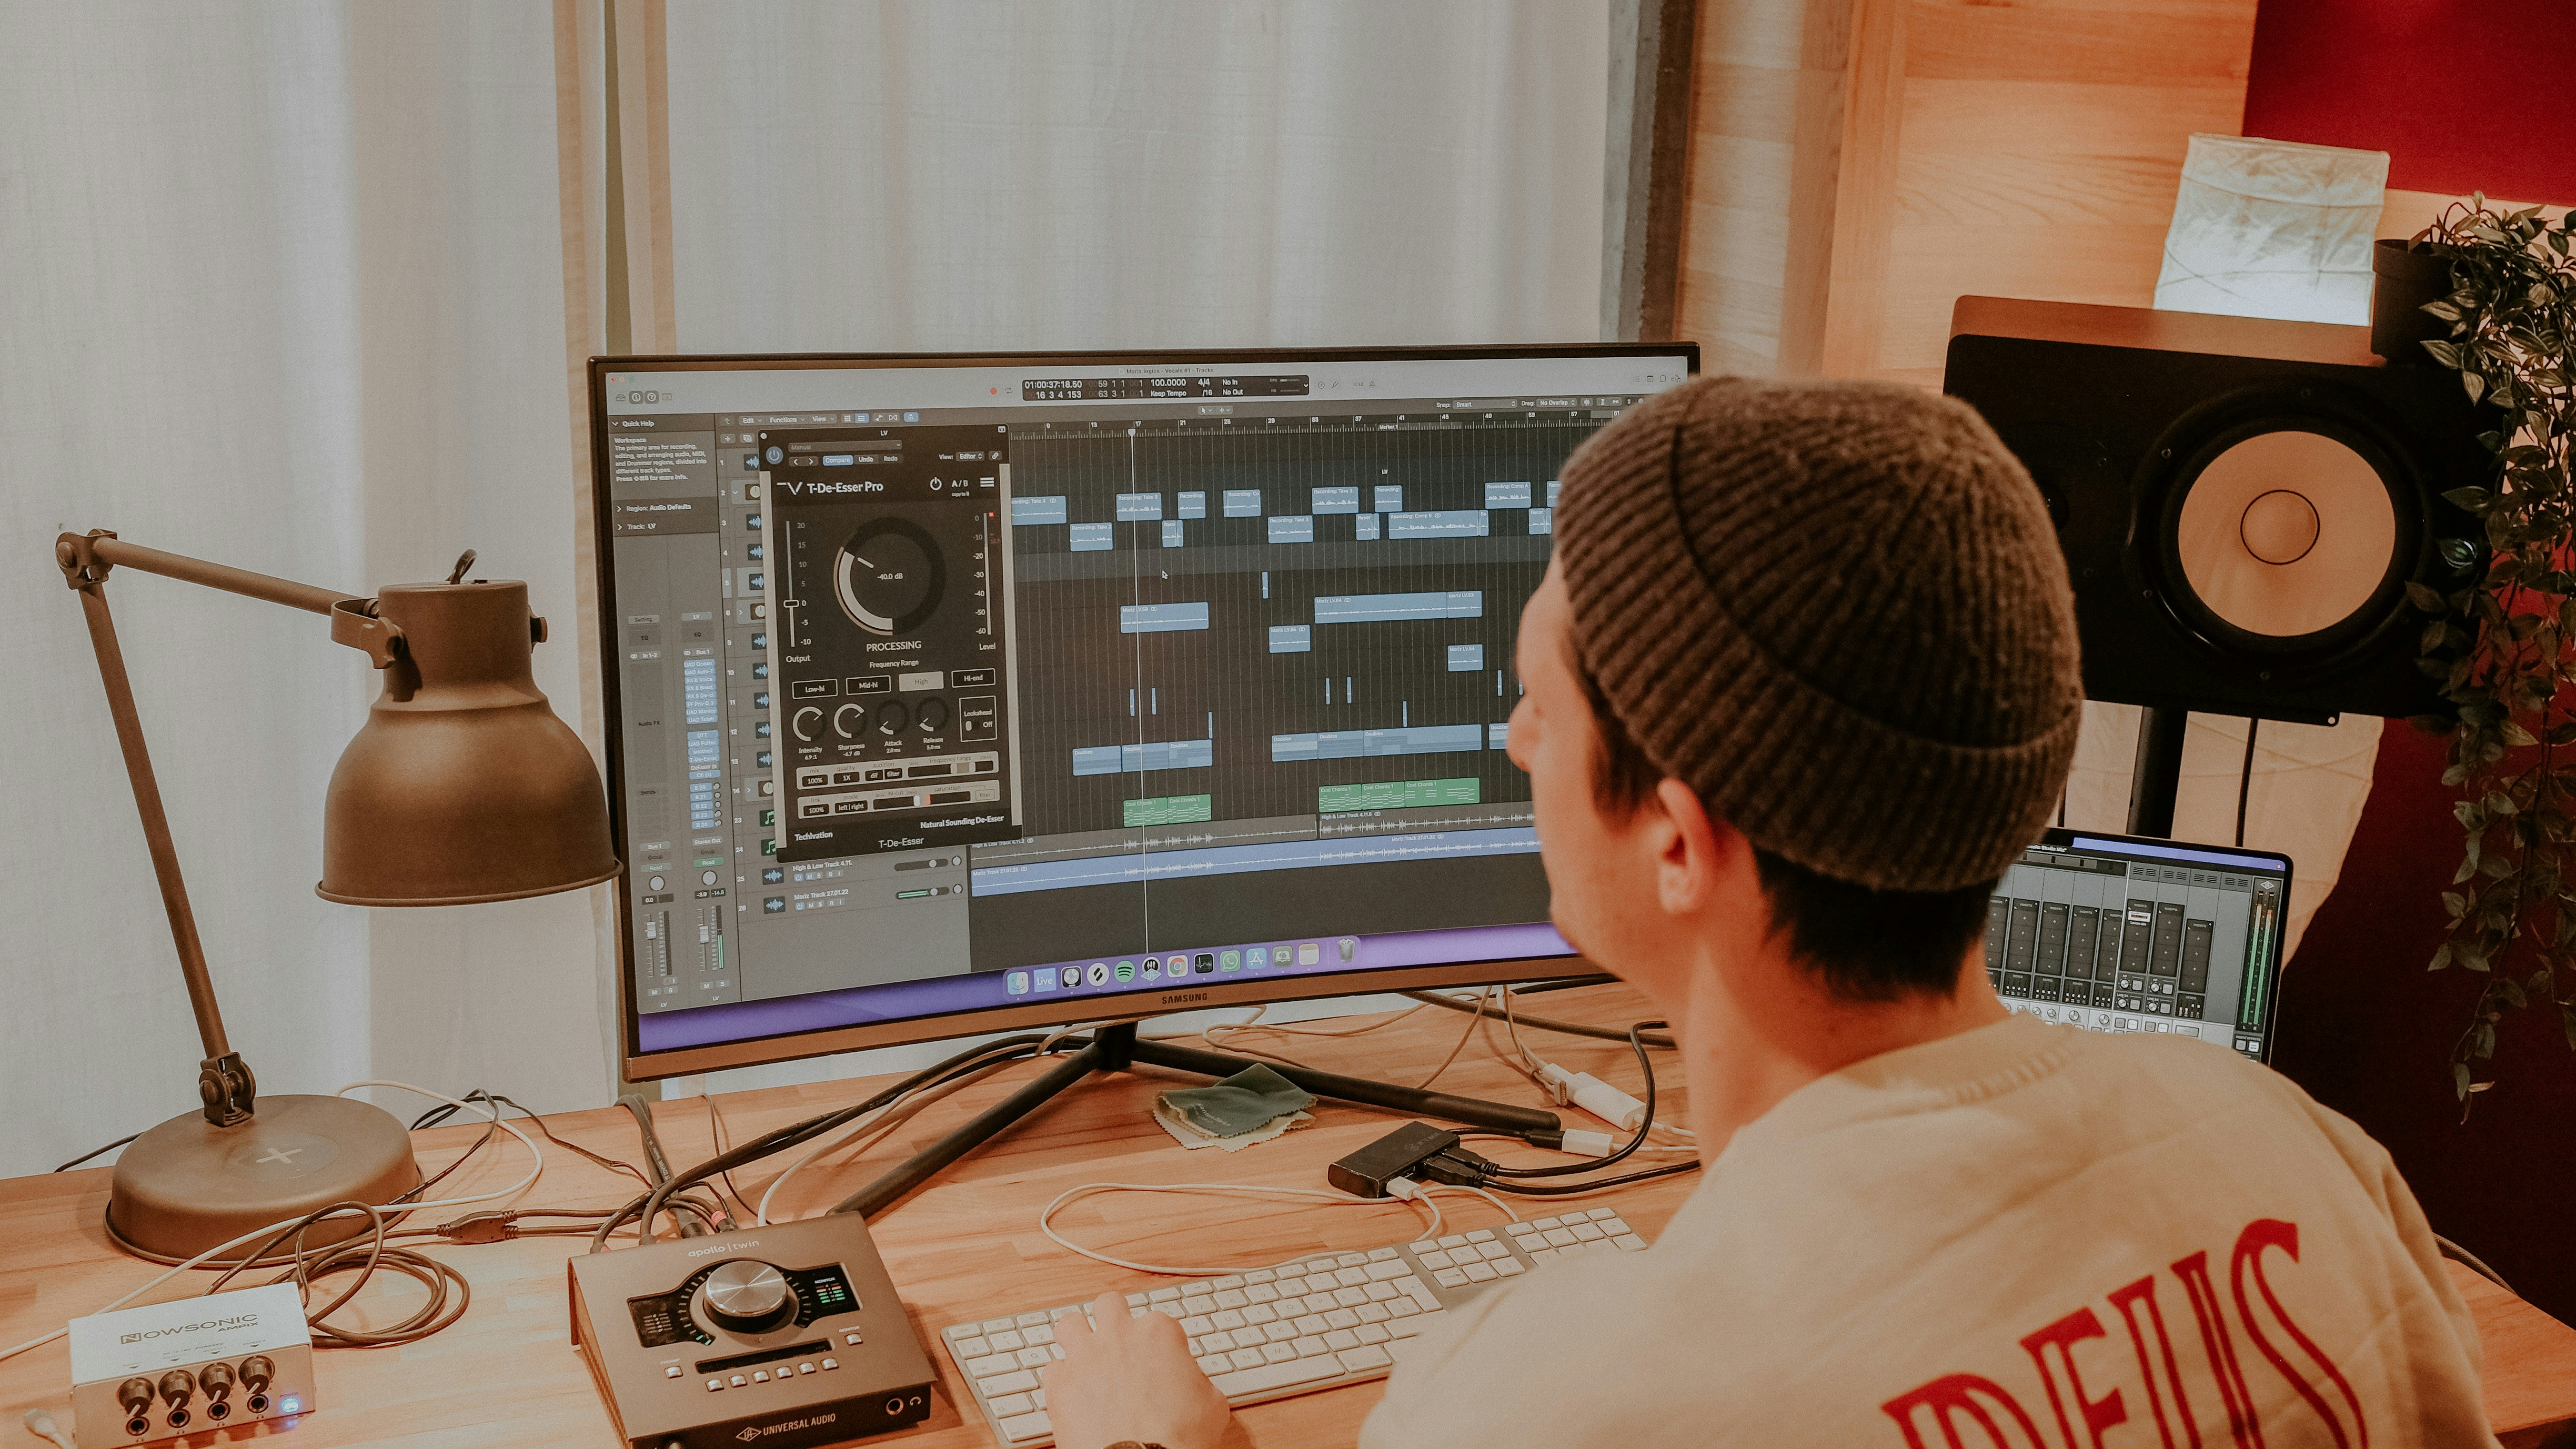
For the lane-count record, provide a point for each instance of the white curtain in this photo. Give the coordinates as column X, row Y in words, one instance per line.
column 281, row 285
column 991, row 175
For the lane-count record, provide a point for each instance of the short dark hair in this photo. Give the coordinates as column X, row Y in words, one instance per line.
column 1868, row 945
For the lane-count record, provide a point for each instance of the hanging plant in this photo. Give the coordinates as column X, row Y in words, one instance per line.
column 2504, row 646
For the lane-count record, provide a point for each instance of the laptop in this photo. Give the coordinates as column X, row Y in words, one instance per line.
column 2129, row 933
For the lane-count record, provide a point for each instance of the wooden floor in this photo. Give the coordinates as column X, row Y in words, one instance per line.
column 964, row 1246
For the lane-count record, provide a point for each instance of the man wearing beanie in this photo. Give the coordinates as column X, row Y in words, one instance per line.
column 1801, row 683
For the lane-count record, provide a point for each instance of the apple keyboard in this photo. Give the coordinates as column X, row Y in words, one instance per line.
column 1315, row 1323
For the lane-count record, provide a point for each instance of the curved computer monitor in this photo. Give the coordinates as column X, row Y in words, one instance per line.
column 958, row 694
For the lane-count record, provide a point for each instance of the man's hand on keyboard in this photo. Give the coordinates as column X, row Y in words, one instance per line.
column 1130, row 1378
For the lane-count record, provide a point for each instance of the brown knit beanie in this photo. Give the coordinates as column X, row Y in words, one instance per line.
column 1838, row 612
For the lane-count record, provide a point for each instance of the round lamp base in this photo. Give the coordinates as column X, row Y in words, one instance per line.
column 188, row 1186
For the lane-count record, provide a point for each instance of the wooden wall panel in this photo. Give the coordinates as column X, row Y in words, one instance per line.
column 2029, row 148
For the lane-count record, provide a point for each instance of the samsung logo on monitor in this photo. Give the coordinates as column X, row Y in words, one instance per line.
column 1181, row 998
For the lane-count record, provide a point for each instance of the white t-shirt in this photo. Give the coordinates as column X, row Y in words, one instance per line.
column 2024, row 1236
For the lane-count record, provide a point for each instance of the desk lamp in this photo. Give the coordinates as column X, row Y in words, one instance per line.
column 463, row 786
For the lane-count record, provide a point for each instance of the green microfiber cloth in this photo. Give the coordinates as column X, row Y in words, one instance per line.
column 1242, row 1103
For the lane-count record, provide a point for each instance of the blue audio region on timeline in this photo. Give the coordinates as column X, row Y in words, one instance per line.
column 1157, row 755
column 1050, row 875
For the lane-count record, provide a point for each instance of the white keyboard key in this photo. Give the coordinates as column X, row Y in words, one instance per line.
column 1039, row 1396
column 1278, row 1353
column 966, row 1348
column 956, row 1331
column 1402, row 1308
column 1039, row 1334
column 1310, row 1346
column 1008, row 1341
column 1587, row 1232
column 1630, row 1242
column 1245, row 1358
column 1010, row 1406
column 1055, row 1351
column 1262, row 1293
column 997, row 1325
column 1371, row 1332
column 1494, row 1251
column 1260, row 1313
column 1231, row 1298
column 1227, row 1318
column 1480, row 1273
column 1352, row 1260
column 1422, row 1295
column 1371, row 1312
column 1454, row 1240
column 1030, row 1319
column 1230, row 1281
column 1386, row 1270
column 1171, row 1310
column 1026, row 1426
column 1452, row 1278
column 1341, row 1338
column 1278, row 1332
column 1481, row 1235
column 991, row 1364
column 1420, row 1248
column 1614, row 1225
column 1517, row 1229
column 1197, row 1324
column 1364, row 1358
column 1380, row 1255
column 1034, row 1358
column 1270, row 1376
column 1059, row 1315
column 1260, row 1275
column 1560, row 1238
column 1018, row 1381
column 1602, row 1212
column 1438, row 1258
column 1349, row 1297
column 1509, row 1268
column 1198, row 1303
column 1213, row 1364
column 1136, row 1300
column 1162, row 1295
column 1352, row 1277
column 1544, row 1223
column 1380, row 1292
column 1342, row 1318
column 1217, row 1342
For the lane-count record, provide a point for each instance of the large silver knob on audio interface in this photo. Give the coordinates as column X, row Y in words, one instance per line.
column 749, row 1297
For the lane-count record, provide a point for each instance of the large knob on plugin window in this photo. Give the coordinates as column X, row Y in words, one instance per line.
column 749, row 1297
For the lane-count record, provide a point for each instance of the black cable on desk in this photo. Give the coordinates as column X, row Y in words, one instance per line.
column 798, row 1133
column 1645, row 1124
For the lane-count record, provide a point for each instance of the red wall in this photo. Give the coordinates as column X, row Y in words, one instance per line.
column 2464, row 95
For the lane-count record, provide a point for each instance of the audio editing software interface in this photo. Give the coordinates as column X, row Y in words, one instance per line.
column 2136, row 936
column 1065, row 678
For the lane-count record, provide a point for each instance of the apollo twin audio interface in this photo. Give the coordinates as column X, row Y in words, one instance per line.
column 782, row 1336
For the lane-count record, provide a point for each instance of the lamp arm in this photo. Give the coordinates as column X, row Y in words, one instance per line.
column 224, row 1081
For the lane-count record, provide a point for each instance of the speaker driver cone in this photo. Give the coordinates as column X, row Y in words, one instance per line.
column 2288, row 541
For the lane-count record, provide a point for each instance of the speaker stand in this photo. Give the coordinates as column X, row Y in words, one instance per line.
column 1117, row 1048
column 2157, row 776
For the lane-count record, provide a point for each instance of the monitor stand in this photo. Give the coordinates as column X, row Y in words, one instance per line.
column 1117, row 1048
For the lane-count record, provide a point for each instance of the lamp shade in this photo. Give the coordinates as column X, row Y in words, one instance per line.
column 463, row 786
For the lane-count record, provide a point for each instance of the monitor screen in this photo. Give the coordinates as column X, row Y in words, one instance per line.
column 955, row 694
column 2123, row 933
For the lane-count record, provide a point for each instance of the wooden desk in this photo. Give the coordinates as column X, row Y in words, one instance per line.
column 965, row 1245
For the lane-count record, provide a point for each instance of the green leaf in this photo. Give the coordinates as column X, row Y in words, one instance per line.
column 2515, row 735
column 2473, row 499
column 2476, row 385
column 2510, row 991
column 2444, row 353
column 2422, row 595
column 2460, row 1070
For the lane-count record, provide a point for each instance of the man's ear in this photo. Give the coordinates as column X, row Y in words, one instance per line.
column 1693, row 850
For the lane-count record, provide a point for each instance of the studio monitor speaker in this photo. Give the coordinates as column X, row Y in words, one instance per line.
column 2242, row 502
